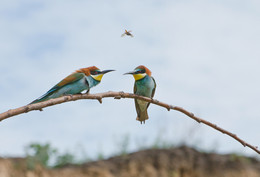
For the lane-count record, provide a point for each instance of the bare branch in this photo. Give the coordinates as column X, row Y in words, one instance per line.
column 118, row 95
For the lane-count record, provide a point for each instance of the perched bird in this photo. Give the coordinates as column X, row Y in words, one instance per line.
column 145, row 86
column 128, row 33
column 80, row 80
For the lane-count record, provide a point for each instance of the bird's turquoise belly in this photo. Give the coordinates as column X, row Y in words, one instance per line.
column 144, row 90
column 145, row 87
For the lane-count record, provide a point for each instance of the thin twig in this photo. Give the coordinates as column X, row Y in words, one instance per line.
column 118, row 95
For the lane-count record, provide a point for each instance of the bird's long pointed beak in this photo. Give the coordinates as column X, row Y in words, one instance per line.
column 106, row 71
column 131, row 72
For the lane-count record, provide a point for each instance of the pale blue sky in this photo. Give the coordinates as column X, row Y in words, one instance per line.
column 204, row 56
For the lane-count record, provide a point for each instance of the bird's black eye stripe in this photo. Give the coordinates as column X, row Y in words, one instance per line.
column 140, row 71
column 94, row 72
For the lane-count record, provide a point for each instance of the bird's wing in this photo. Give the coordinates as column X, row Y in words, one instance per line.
column 131, row 35
column 136, row 104
column 154, row 87
column 67, row 80
column 123, row 35
column 153, row 91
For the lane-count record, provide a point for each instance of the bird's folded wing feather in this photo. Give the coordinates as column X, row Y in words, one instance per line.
column 136, row 104
column 67, row 80
column 153, row 91
column 154, row 87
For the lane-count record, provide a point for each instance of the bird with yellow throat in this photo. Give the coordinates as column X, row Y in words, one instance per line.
column 82, row 79
column 145, row 86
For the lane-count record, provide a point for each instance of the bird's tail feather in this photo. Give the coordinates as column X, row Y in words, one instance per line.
column 44, row 97
column 142, row 117
column 36, row 101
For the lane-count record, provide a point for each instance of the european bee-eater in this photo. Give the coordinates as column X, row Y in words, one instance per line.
column 80, row 80
column 128, row 33
column 145, row 86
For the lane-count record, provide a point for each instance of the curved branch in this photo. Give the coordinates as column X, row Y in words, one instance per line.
column 118, row 95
